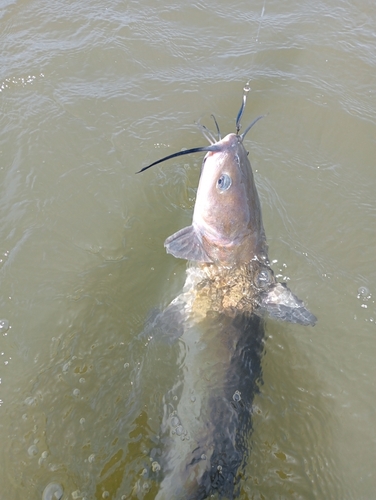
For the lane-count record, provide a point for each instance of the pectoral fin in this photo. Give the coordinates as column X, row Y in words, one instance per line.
column 280, row 303
column 164, row 327
column 185, row 244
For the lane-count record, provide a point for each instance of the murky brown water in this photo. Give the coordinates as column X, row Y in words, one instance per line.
column 89, row 94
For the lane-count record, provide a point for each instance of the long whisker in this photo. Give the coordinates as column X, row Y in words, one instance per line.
column 207, row 133
column 218, row 131
column 250, row 126
column 214, row 147
column 181, row 153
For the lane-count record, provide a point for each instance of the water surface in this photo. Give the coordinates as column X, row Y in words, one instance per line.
column 90, row 93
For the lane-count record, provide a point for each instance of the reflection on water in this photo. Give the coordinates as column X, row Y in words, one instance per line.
column 89, row 94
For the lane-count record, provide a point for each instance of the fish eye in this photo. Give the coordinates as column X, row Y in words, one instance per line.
column 224, row 182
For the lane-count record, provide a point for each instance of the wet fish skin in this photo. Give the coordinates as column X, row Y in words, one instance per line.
column 207, row 413
column 219, row 321
column 227, row 226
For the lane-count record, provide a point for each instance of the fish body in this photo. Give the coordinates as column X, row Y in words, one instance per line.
column 207, row 412
column 219, row 320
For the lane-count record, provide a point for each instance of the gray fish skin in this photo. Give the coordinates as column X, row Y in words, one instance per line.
column 207, row 412
column 219, row 322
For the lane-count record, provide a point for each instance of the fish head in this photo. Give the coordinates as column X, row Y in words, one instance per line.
column 227, row 215
column 227, row 228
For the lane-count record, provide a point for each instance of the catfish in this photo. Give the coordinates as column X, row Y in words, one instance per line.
column 219, row 323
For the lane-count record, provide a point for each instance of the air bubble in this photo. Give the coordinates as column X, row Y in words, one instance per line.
column 364, row 294
column 32, row 450
column 237, row 396
column 363, row 291
column 4, row 325
column 66, row 367
column 175, row 421
column 263, row 278
column 53, row 491
column 155, row 467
